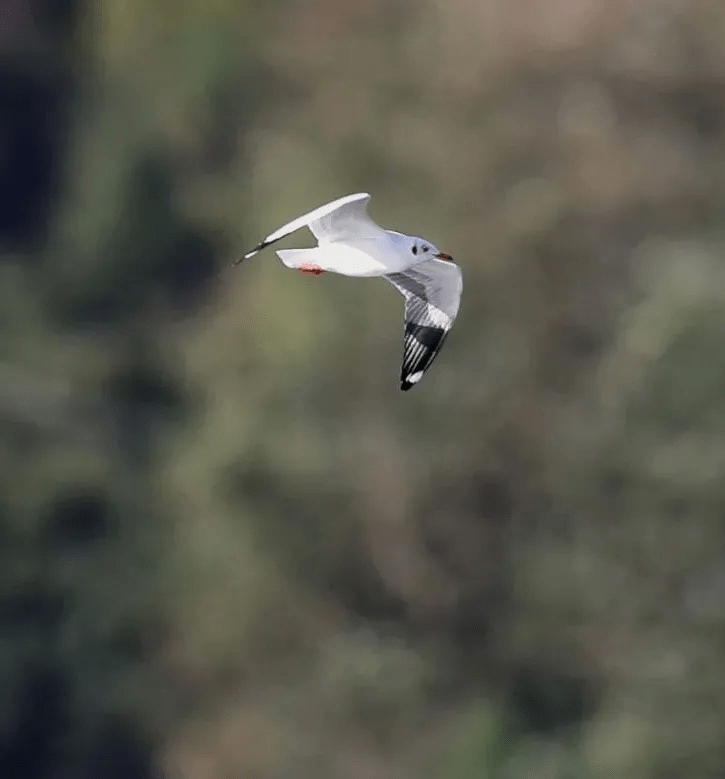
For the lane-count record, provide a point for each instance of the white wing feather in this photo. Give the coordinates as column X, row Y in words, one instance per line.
column 341, row 219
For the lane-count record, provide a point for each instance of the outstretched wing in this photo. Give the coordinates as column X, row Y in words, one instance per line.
column 432, row 291
column 341, row 219
column 348, row 220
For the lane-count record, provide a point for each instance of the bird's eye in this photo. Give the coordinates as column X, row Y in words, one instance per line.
column 426, row 248
column 415, row 248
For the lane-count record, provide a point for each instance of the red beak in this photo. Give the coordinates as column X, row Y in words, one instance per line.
column 442, row 256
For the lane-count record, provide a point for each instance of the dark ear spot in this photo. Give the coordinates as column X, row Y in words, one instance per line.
column 415, row 248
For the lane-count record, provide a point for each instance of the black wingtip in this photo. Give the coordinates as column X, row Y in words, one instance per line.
column 405, row 385
column 251, row 253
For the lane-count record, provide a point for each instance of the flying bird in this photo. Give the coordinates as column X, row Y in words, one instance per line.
column 350, row 243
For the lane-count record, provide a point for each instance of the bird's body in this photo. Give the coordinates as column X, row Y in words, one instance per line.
column 350, row 243
column 363, row 257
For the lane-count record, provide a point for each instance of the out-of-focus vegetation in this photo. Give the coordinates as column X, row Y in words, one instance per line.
column 229, row 546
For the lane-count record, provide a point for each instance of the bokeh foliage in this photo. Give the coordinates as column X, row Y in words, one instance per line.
column 229, row 545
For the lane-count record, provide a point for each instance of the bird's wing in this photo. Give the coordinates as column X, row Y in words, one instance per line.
column 344, row 219
column 339, row 220
column 432, row 291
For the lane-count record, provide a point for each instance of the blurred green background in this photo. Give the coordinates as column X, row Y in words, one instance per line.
column 230, row 547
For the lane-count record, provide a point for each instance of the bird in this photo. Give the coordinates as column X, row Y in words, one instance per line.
column 352, row 244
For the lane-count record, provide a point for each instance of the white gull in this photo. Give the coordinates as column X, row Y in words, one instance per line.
column 350, row 243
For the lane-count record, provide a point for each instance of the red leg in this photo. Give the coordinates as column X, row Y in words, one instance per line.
column 310, row 269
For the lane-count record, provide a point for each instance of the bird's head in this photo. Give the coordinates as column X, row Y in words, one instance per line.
column 425, row 250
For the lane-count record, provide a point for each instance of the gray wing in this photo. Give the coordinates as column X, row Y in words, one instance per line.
column 341, row 219
column 432, row 292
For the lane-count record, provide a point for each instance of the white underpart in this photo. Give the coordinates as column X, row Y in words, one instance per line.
column 346, row 259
